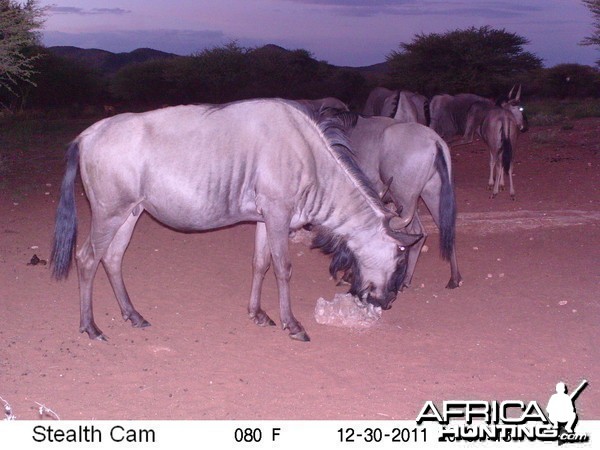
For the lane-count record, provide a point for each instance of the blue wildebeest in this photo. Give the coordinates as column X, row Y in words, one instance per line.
column 207, row 166
column 498, row 126
column 322, row 103
column 449, row 113
column 409, row 160
column 403, row 106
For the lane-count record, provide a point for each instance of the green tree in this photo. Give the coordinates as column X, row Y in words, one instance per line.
column 144, row 83
column 63, row 83
column 567, row 81
column 594, row 39
column 482, row 60
column 18, row 34
column 231, row 72
column 215, row 75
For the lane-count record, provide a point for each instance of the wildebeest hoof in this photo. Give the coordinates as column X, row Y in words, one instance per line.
column 261, row 319
column 94, row 333
column 143, row 324
column 300, row 336
column 137, row 321
column 453, row 284
column 97, row 337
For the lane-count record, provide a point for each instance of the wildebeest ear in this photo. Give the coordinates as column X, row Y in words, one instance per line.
column 406, row 239
column 518, row 96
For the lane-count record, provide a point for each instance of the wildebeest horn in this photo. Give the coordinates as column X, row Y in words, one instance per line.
column 511, row 92
column 397, row 223
column 386, row 188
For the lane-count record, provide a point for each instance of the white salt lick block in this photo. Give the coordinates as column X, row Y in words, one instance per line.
column 345, row 310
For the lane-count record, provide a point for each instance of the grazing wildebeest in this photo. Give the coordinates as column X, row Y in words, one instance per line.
column 202, row 167
column 449, row 113
column 499, row 127
column 322, row 103
column 403, row 106
column 409, row 160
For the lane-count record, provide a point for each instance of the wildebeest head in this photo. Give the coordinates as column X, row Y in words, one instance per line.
column 513, row 104
column 374, row 266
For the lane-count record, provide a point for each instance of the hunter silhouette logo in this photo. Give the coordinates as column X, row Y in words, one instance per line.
column 561, row 411
column 508, row 420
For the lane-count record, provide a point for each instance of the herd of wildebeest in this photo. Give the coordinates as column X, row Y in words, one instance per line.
column 353, row 179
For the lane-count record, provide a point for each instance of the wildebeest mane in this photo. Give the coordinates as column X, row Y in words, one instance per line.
column 335, row 128
column 395, row 103
column 342, row 258
column 501, row 100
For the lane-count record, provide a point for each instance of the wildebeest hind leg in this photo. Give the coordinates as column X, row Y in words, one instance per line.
column 112, row 261
column 260, row 265
column 87, row 265
column 432, row 201
column 415, row 227
column 89, row 255
column 510, row 182
column 492, row 166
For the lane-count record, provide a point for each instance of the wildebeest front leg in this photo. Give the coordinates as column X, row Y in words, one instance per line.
column 278, row 228
column 113, row 260
column 260, row 264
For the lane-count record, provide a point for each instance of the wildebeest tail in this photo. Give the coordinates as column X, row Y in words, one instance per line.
column 447, row 206
column 427, row 112
column 506, row 149
column 65, row 227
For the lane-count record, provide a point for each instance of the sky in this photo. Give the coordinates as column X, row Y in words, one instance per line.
column 342, row 32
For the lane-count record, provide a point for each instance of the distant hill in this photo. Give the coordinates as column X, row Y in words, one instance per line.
column 108, row 62
column 380, row 68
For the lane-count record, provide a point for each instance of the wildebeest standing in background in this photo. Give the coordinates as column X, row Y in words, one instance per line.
column 449, row 113
column 319, row 104
column 403, row 106
column 203, row 167
column 409, row 160
column 499, row 128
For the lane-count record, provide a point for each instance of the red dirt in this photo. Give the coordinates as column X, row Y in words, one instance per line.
column 526, row 317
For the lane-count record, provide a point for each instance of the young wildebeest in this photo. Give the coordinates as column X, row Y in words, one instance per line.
column 207, row 166
column 411, row 161
column 403, row 106
column 499, row 128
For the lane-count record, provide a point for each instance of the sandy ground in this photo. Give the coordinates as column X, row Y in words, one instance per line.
column 527, row 316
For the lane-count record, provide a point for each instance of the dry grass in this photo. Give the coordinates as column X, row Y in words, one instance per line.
column 43, row 411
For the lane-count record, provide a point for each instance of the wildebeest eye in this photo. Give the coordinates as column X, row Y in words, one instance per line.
column 521, row 109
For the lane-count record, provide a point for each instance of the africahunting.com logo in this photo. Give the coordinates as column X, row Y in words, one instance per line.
column 509, row 420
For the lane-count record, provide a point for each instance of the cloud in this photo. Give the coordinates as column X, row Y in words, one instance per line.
column 492, row 9
column 87, row 12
